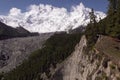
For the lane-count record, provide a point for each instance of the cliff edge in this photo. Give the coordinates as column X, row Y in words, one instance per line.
column 89, row 65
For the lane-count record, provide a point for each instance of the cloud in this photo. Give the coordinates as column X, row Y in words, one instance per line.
column 14, row 12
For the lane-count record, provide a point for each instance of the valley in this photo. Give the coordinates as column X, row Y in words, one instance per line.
column 48, row 42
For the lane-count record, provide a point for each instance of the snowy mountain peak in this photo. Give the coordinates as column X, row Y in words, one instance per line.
column 47, row 18
column 81, row 6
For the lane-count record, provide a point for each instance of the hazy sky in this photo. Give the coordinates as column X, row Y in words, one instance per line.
column 6, row 5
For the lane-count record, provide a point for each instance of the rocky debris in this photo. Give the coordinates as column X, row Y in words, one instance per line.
column 14, row 51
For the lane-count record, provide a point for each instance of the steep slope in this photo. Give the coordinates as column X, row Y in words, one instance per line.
column 55, row 50
column 110, row 47
column 47, row 18
column 7, row 31
column 48, row 64
column 22, row 30
column 10, row 32
column 14, row 51
column 83, row 65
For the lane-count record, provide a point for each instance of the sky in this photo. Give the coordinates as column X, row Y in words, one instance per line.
column 6, row 5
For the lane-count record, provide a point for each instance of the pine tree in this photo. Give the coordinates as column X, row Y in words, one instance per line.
column 92, row 29
column 112, row 7
column 118, row 19
column 92, row 16
column 113, row 18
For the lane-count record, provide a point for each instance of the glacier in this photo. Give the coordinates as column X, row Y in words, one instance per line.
column 47, row 18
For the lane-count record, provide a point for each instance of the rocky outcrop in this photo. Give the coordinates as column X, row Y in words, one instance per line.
column 86, row 65
column 14, row 51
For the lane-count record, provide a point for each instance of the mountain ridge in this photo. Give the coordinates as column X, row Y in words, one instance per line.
column 7, row 32
column 47, row 18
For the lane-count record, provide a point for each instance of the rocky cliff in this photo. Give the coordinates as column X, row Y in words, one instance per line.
column 86, row 65
column 99, row 63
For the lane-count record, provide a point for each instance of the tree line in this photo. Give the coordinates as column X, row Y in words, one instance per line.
column 109, row 26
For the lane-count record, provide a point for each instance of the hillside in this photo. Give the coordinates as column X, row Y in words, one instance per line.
column 62, row 63
column 90, row 65
column 7, row 32
column 14, row 51
column 56, row 49
column 110, row 47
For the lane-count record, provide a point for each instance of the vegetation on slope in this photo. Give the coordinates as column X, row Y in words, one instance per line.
column 55, row 50
column 109, row 26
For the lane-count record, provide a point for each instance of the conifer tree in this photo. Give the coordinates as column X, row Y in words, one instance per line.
column 112, row 7
column 92, row 29
column 113, row 18
column 92, row 16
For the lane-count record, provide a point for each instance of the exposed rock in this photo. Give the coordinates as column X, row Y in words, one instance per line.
column 81, row 66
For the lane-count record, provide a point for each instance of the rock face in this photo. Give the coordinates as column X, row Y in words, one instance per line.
column 87, row 65
column 14, row 51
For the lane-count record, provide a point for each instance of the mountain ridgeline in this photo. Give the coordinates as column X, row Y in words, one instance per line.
column 47, row 18
column 9, row 32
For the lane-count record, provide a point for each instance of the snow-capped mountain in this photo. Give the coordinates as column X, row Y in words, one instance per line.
column 47, row 18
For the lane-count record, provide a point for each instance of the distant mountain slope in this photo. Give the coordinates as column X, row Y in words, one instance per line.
column 14, row 51
column 22, row 30
column 47, row 18
column 9, row 32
